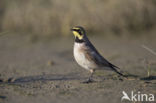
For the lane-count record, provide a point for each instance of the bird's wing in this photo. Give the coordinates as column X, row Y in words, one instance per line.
column 98, row 57
column 94, row 56
column 92, row 53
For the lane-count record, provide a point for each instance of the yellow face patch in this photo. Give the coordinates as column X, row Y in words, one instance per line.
column 76, row 34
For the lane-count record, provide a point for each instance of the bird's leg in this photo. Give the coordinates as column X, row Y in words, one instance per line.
column 90, row 77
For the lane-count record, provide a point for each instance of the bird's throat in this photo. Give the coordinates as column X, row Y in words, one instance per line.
column 79, row 40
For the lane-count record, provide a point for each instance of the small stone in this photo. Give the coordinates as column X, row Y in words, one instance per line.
column 11, row 79
column 4, row 80
column 1, row 80
column 50, row 63
column 2, row 97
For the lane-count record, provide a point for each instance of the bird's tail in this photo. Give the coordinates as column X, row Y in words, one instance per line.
column 115, row 70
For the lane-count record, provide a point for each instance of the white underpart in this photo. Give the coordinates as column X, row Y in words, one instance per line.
column 80, row 57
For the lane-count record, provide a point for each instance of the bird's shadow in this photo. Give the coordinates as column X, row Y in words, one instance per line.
column 148, row 78
column 48, row 77
column 2, row 97
column 61, row 77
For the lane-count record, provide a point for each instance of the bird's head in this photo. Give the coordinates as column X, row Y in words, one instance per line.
column 78, row 32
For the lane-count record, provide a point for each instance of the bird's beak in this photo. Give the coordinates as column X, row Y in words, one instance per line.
column 72, row 29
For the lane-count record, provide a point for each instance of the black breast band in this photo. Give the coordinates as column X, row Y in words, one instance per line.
column 79, row 40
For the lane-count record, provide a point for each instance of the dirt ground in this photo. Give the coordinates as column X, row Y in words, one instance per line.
column 40, row 71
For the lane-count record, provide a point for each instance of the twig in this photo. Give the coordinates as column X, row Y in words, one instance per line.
column 148, row 67
column 150, row 50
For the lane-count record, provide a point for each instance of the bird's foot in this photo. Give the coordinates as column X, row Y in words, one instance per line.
column 88, row 81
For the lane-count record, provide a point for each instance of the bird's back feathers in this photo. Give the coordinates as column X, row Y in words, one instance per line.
column 94, row 55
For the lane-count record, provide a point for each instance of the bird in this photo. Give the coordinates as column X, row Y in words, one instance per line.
column 87, row 56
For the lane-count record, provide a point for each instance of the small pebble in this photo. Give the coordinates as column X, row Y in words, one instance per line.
column 11, row 80
column 2, row 97
column 1, row 80
column 7, row 80
column 50, row 63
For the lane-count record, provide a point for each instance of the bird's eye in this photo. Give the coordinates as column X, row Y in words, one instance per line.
column 80, row 32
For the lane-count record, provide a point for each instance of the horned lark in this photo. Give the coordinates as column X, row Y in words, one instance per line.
column 87, row 56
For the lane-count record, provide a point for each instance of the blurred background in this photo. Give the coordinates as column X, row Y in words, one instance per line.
column 55, row 17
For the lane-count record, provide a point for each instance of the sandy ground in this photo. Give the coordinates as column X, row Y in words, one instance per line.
column 45, row 71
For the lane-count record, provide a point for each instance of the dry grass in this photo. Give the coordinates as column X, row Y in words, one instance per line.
column 56, row 17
